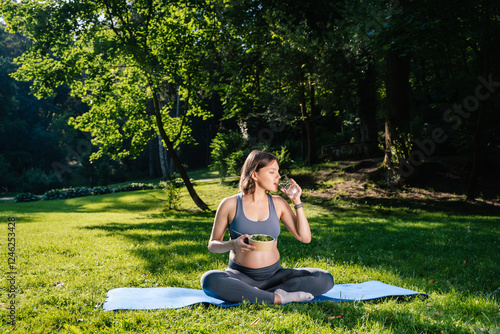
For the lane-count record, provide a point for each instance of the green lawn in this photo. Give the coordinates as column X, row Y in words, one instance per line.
column 69, row 253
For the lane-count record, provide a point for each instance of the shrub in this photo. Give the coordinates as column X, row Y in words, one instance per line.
column 100, row 190
column 172, row 189
column 66, row 193
column 229, row 151
column 37, row 181
column 284, row 160
column 8, row 179
column 133, row 186
column 26, row 197
column 225, row 148
column 71, row 192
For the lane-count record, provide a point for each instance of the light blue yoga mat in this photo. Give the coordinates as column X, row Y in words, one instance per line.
column 171, row 297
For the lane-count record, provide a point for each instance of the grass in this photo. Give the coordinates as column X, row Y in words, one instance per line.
column 69, row 253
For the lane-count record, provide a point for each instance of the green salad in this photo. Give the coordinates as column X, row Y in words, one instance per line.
column 262, row 237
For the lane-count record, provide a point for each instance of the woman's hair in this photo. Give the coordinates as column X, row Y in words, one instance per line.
column 254, row 162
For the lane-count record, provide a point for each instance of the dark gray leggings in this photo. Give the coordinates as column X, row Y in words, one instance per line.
column 238, row 283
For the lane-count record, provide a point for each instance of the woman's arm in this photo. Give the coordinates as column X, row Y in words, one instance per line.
column 296, row 223
column 223, row 217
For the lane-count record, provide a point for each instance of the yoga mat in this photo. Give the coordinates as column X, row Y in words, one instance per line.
column 172, row 297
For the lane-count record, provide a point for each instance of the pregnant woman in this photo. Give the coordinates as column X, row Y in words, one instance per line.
column 252, row 275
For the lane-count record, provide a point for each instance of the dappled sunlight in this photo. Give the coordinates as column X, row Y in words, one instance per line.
column 412, row 251
column 142, row 200
column 167, row 242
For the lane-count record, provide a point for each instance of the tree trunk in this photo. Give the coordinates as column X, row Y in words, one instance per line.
column 151, row 151
column 163, row 159
column 178, row 164
column 397, row 106
column 485, row 63
column 368, row 107
column 312, row 157
column 476, row 153
column 388, row 147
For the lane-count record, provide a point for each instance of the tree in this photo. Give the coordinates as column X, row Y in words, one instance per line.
column 483, row 46
column 272, row 51
column 119, row 56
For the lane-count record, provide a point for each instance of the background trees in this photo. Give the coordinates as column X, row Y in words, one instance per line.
column 118, row 57
column 399, row 75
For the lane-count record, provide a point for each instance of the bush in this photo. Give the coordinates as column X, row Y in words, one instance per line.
column 133, row 186
column 26, row 197
column 227, row 150
column 66, row 193
column 284, row 160
column 37, row 181
column 71, row 192
column 172, row 189
column 100, row 190
column 8, row 179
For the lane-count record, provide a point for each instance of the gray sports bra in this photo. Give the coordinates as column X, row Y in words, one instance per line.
column 242, row 225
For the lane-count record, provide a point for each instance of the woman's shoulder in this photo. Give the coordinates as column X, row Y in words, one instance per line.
column 278, row 200
column 227, row 209
column 228, row 202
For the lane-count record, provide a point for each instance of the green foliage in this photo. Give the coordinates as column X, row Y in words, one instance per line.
column 118, row 59
column 141, row 67
column 73, row 192
column 228, row 153
column 401, row 148
column 230, row 149
column 34, row 134
column 37, row 181
column 263, row 58
column 7, row 178
column 284, row 160
column 172, row 189
column 25, row 197
column 66, row 193
column 133, row 186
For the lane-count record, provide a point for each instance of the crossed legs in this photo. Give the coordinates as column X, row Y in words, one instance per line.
column 234, row 286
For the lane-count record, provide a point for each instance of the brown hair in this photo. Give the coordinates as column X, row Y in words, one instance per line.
column 254, row 162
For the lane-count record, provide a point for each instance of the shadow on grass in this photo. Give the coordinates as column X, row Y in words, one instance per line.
column 170, row 241
column 453, row 245
column 347, row 316
column 402, row 244
column 386, row 206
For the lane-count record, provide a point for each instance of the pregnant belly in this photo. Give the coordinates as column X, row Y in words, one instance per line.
column 255, row 259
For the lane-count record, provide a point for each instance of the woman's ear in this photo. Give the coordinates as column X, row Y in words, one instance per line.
column 254, row 175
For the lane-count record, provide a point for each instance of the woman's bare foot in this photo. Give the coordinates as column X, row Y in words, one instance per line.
column 283, row 297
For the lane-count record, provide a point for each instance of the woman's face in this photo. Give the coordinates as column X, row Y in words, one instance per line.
column 268, row 177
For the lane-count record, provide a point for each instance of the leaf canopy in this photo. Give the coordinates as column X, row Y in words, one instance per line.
column 116, row 56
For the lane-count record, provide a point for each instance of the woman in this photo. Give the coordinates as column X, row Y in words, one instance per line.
column 257, row 276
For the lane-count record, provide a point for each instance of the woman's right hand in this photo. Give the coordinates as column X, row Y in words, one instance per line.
column 241, row 246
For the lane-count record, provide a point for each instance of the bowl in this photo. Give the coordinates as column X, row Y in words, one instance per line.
column 262, row 245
